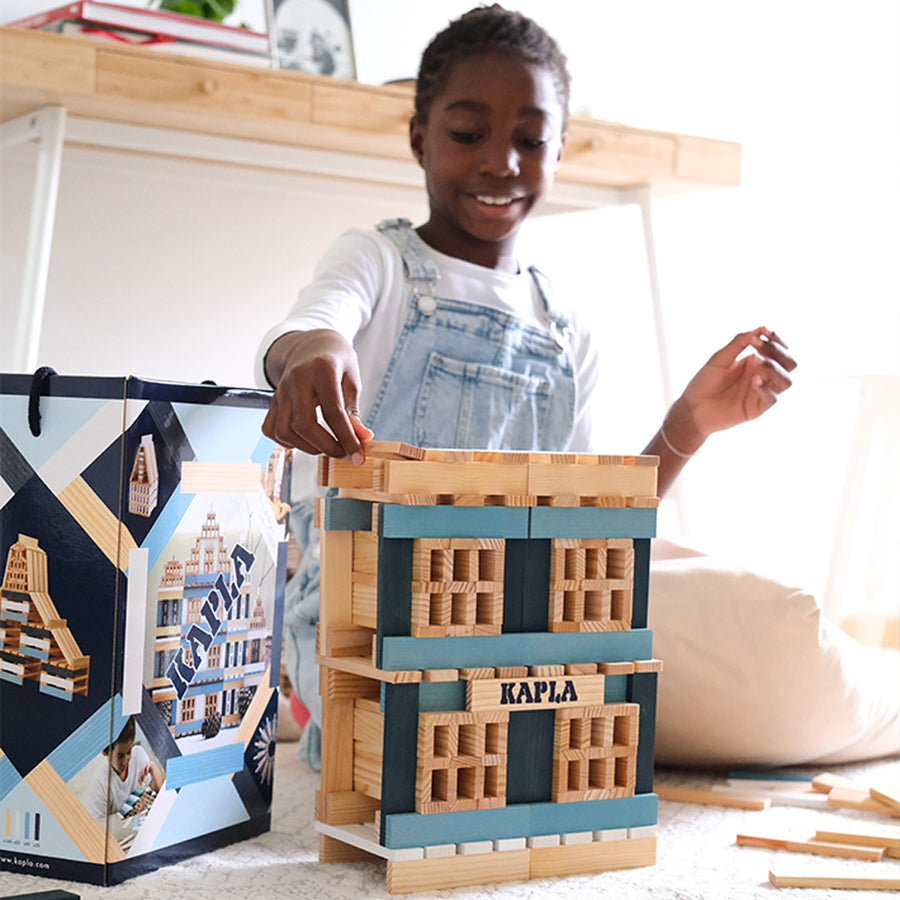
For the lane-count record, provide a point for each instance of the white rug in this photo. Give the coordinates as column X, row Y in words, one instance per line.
column 697, row 858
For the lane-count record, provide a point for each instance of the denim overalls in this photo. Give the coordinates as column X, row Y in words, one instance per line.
column 461, row 375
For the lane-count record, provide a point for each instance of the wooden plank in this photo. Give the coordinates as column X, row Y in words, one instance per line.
column 349, row 807
column 332, row 850
column 409, row 876
column 336, row 573
column 592, row 481
column 836, row 881
column 597, row 856
column 865, row 834
column 858, row 798
column 818, row 848
column 827, row 780
column 710, row 798
column 410, row 477
column 889, row 794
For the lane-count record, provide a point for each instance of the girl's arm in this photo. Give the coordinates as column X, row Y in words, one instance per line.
column 730, row 388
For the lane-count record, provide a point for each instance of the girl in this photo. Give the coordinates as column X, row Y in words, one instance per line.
column 457, row 342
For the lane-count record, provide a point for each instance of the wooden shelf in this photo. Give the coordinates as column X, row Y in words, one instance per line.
column 150, row 89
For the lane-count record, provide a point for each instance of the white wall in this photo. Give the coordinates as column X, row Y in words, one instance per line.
column 172, row 270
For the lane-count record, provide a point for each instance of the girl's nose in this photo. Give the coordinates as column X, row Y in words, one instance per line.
column 500, row 160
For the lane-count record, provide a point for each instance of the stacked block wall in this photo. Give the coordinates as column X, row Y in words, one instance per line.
column 505, row 635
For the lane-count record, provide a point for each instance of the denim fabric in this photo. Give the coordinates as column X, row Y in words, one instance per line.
column 461, row 375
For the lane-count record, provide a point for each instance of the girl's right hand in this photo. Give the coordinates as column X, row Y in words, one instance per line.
column 316, row 370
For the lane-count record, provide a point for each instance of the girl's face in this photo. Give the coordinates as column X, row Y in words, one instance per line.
column 490, row 149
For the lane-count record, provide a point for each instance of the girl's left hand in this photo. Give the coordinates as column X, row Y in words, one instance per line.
column 732, row 388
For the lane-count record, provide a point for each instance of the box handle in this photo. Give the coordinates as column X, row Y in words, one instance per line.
column 38, row 383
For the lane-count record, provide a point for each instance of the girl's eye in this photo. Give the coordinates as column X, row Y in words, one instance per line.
column 533, row 143
column 464, row 137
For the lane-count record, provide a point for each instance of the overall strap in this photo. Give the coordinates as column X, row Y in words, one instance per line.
column 559, row 321
column 420, row 270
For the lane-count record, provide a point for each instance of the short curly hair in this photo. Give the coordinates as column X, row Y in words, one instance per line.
column 483, row 30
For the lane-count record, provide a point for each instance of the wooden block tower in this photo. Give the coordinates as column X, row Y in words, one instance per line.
column 487, row 679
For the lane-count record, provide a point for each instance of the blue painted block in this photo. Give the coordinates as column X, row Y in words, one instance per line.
column 401, row 728
column 347, row 514
column 394, row 587
column 592, row 522
column 397, row 521
column 615, row 688
column 522, row 820
column 405, row 653
column 529, row 758
column 642, row 689
column 641, row 587
column 768, row 775
column 435, row 696
column 526, row 577
column 12, row 679
column 204, row 765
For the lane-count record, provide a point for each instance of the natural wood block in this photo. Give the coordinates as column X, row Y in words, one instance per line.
column 457, row 871
column 368, row 726
column 827, row 780
column 858, row 798
column 345, row 640
column 888, row 794
column 710, row 798
column 472, row 674
column 441, row 675
column 864, row 834
column 348, row 808
column 367, row 772
column 365, row 552
column 648, row 665
column 393, row 450
column 598, row 856
column 836, row 881
column 616, row 668
column 336, row 578
column 401, row 476
column 805, row 845
column 551, row 692
column 332, row 850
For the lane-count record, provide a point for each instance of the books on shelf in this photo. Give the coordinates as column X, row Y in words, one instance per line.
column 156, row 29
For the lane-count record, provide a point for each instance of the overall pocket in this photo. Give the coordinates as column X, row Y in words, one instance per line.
column 464, row 404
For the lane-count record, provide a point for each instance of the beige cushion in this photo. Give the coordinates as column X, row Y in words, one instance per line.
column 754, row 674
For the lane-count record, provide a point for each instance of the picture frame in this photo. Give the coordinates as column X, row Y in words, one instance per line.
column 312, row 36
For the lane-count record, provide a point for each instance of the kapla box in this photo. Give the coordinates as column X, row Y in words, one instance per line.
column 143, row 563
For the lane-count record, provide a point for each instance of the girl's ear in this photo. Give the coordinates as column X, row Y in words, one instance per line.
column 562, row 147
column 416, row 138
